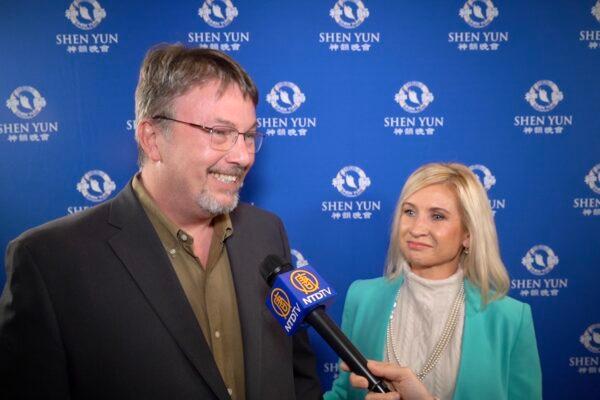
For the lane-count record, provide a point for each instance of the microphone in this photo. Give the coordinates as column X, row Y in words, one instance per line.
column 299, row 295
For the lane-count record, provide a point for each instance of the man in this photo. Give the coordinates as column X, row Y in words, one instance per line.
column 157, row 293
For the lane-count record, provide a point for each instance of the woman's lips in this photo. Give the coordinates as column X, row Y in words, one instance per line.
column 417, row 245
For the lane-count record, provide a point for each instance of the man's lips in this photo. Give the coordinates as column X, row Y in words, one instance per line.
column 229, row 176
column 226, row 178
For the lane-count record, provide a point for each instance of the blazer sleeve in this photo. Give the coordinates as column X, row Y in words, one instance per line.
column 306, row 382
column 525, row 374
column 341, row 388
column 32, row 359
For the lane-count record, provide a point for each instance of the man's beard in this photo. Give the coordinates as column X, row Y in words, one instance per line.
column 210, row 204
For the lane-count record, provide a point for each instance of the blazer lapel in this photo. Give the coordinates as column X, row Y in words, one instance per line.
column 388, row 298
column 138, row 247
column 471, row 349
column 250, row 293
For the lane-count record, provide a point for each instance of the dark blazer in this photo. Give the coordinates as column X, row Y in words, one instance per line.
column 93, row 309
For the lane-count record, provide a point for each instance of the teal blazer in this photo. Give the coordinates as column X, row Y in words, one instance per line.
column 499, row 358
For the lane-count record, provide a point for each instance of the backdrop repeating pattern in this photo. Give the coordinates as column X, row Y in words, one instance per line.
column 355, row 95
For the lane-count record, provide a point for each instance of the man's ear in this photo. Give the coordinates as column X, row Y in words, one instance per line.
column 147, row 133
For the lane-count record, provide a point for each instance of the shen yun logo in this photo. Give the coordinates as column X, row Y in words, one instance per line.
column 96, row 186
column 218, row 13
column 590, row 339
column 593, row 179
column 286, row 97
column 85, row 14
column 487, row 180
column 351, row 181
column 414, row 97
column 26, row 102
column 484, row 175
column 539, row 261
column 349, row 14
column 544, row 96
column 592, row 36
column 591, row 205
column 478, row 13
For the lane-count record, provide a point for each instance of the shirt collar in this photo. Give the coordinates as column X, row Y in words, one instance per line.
column 222, row 225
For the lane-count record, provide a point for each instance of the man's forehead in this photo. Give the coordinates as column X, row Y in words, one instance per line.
column 215, row 89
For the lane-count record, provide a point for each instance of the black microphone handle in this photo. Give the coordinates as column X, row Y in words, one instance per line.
column 344, row 348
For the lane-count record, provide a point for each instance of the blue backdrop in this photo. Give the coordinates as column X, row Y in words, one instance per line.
column 355, row 95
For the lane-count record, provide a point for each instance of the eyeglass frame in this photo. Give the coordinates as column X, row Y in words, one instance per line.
column 258, row 136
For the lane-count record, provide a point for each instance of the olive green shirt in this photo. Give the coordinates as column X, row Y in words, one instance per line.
column 210, row 291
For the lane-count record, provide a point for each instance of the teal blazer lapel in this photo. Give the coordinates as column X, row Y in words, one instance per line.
column 377, row 320
column 485, row 343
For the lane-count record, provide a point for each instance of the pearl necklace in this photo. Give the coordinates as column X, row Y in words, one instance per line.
column 434, row 357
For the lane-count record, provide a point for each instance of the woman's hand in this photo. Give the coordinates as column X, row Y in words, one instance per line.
column 405, row 383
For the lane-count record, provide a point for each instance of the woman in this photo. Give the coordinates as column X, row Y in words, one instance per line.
column 440, row 317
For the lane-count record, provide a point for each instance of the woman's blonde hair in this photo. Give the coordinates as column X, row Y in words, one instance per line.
column 482, row 264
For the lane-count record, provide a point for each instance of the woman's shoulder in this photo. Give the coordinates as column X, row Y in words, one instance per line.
column 373, row 285
column 508, row 309
column 372, row 289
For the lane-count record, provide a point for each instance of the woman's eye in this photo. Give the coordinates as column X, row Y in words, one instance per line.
column 409, row 212
column 438, row 217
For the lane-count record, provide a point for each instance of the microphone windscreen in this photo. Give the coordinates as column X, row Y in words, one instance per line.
column 273, row 265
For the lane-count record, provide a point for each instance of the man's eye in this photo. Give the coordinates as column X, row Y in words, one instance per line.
column 221, row 132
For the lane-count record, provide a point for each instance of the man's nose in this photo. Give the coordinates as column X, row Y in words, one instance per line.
column 239, row 153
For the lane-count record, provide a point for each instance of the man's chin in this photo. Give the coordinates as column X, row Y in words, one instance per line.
column 215, row 206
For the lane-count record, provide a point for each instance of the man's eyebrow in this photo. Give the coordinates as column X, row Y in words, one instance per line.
column 229, row 123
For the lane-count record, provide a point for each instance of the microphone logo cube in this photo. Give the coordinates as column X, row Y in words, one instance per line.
column 304, row 281
column 296, row 293
column 281, row 303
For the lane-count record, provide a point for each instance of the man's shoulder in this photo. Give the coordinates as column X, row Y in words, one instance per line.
column 81, row 223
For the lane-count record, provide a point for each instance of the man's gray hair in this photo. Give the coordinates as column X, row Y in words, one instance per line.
column 170, row 70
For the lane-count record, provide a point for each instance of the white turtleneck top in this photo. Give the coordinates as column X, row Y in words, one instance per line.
column 422, row 309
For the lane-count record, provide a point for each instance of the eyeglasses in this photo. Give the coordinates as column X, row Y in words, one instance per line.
column 223, row 138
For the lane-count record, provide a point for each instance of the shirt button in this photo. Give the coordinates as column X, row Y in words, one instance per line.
column 218, row 335
column 230, row 391
column 172, row 252
column 184, row 237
